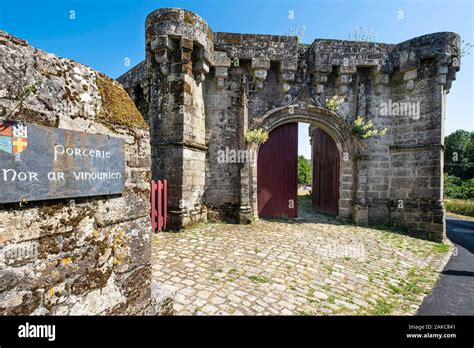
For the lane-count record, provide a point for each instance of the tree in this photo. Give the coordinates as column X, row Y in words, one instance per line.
column 459, row 154
column 457, row 188
column 304, row 170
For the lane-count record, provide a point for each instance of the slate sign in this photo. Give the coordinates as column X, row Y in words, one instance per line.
column 39, row 163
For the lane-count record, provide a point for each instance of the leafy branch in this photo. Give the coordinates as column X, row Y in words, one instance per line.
column 25, row 93
column 465, row 48
column 364, row 129
column 256, row 137
column 334, row 102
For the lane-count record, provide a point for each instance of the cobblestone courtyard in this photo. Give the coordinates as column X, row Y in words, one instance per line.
column 311, row 265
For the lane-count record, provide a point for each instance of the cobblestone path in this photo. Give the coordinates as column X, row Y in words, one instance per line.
column 311, row 265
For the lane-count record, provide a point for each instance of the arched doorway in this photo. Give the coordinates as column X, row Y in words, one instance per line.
column 343, row 148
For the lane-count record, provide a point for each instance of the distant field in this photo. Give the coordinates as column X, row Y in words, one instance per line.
column 460, row 206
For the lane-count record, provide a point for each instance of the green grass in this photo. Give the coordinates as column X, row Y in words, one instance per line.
column 394, row 289
column 259, row 279
column 382, row 307
column 232, row 274
column 414, row 284
column 460, row 206
column 441, row 248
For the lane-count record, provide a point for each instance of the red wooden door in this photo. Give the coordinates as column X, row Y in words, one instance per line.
column 325, row 173
column 277, row 180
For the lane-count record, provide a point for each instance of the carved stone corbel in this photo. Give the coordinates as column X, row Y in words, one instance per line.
column 380, row 82
column 321, row 77
column 201, row 68
column 162, row 46
column 287, row 74
column 260, row 67
column 221, row 66
column 409, row 77
column 344, row 78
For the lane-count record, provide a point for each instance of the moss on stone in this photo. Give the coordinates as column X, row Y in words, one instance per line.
column 117, row 107
column 188, row 18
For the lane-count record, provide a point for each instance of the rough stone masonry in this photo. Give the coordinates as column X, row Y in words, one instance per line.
column 84, row 256
column 200, row 91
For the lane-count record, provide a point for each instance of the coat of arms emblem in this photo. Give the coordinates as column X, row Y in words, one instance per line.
column 13, row 137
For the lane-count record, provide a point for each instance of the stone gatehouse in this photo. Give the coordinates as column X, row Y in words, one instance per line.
column 200, row 91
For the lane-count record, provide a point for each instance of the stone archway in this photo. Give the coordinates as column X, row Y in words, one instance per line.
column 336, row 128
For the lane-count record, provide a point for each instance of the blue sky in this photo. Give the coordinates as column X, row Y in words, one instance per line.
column 104, row 34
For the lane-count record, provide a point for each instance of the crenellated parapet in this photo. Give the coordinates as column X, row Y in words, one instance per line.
column 179, row 42
column 443, row 48
column 261, row 51
column 344, row 57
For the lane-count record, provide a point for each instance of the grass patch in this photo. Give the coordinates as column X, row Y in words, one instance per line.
column 394, row 289
column 328, row 269
column 460, row 206
column 259, row 279
column 232, row 274
column 416, row 283
column 441, row 248
column 382, row 307
column 412, row 284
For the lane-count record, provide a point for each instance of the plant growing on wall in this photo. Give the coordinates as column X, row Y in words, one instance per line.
column 364, row 129
column 24, row 94
column 362, row 34
column 334, row 102
column 256, row 137
column 465, row 48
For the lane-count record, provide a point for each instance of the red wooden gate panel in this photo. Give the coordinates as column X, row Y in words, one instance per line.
column 159, row 206
column 325, row 173
column 277, row 178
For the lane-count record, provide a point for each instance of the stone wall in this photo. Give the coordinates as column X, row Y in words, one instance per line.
column 262, row 81
column 85, row 255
